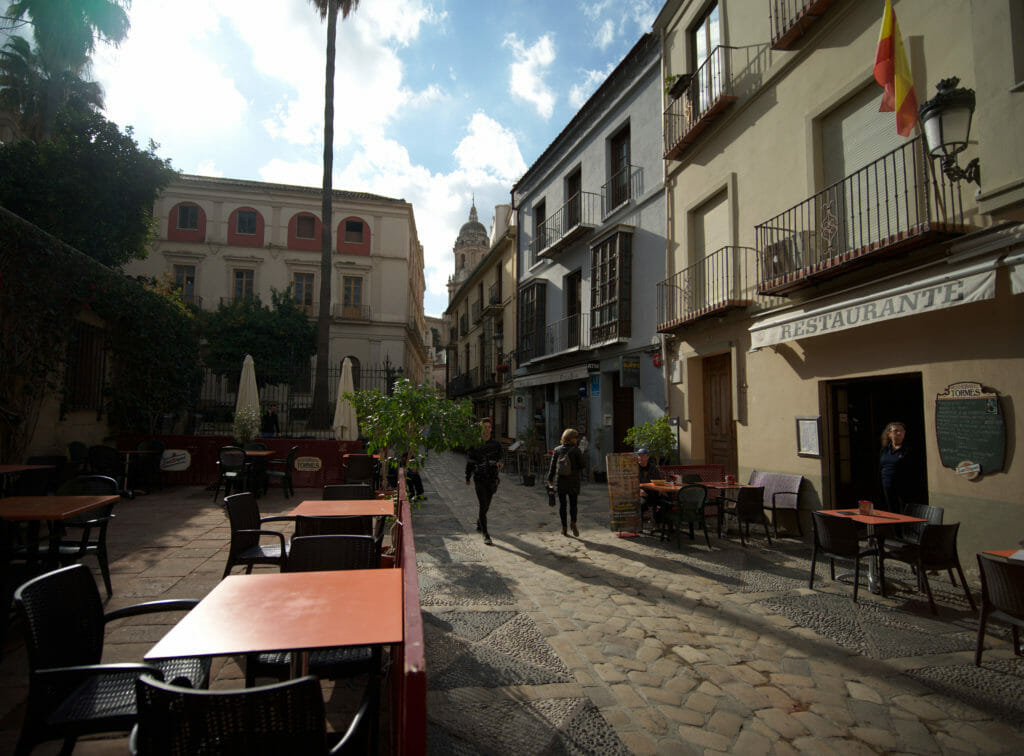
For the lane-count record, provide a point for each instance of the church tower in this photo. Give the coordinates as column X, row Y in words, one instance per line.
column 470, row 248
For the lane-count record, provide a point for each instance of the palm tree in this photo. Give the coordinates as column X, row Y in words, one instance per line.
column 320, row 414
column 53, row 74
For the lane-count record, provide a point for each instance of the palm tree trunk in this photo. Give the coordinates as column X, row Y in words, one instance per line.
column 319, row 417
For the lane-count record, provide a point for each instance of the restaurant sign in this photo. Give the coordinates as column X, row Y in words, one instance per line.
column 970, row 429
column 629, row 372
column 173, row 460
column 308, row 464
column 623, row 492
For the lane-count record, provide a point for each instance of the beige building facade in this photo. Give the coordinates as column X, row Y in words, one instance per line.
column 480, row 319
column 220, row 239
column 824, row 275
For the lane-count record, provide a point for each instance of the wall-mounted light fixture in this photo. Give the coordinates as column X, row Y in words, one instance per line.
column 946, row 120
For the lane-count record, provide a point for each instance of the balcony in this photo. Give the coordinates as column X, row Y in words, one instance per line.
column 570, row 334
column 493, row 302
column 477, row 311
column 573, row 220
column 722, row 281
column 350, row 312
column 708, row 92
column 790, row 19
column 624, row 185
column 463, row 325
column 897, row 203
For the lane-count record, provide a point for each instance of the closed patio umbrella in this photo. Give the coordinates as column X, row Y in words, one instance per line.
column 345, row 426
column 248, row 391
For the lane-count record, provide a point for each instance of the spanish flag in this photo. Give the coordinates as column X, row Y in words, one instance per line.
column 892, row 71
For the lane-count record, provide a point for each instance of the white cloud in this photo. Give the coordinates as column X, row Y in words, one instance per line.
column 491, row 150
column 296, row 173
column 605, row 34
column 580, row 92
column 526, row 73
column 208, row 168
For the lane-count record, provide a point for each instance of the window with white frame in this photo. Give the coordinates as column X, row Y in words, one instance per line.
column 243, row 284
column 302, row 289
column 185, row 282
column 352, row 296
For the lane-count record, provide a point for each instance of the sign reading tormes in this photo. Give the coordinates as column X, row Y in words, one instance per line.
column 970, row 429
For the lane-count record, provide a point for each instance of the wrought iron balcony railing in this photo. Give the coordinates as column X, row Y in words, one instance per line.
column 898, row 202
column 477, row 310
column 724, row 280
column 708, row 92
column 569, row 334
column 624, row 185
column 790, row 19
column 493, row 296
column 350, row 312
column 577, row 217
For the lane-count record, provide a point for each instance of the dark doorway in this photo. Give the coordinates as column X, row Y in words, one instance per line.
column 719, row 433
column 860, row 410
column 622, row 414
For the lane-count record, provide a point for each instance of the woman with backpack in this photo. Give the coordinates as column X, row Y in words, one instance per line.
column 566, row 463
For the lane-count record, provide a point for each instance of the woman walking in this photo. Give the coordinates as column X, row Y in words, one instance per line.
column 564, row 474
column 482, row 465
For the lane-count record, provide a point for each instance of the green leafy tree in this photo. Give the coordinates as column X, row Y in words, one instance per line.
column 280, row 338
column 90, row 186
column 320, row 412
column 657, row 436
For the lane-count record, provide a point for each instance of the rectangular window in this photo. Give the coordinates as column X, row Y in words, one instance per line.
column 573, row 187
column 246, row 222
column 85, row 368
column 610, row 288
column 188, row 217
column 302, row 287
column 354, row 232
column 531, row 322
column 305, row 227
column 352, row 296
column 618, row 153
column 705, row 37
column 185, row 282
column 243, row 284
column 540, row 214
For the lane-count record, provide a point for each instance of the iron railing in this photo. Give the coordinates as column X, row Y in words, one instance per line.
column 351, row 312
column 723, row 280
column 709, row 91
column 577, row 216
column 624, row 185
column 476, row 308
column 789, row 19
column 896, row 202
column 493, row 295
column 571, row 333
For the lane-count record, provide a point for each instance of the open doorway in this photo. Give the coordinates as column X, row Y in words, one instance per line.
column 860, row 409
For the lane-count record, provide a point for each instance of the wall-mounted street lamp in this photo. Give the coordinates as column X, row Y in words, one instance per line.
column 946, row 120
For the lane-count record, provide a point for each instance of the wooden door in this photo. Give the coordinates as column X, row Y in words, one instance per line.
column 719, row 432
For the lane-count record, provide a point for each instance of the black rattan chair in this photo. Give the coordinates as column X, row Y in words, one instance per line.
column 234, row 470
column 86, row 534
column 146, row 469
column 837, row 538
column 1002, row 598
column 346, row 525
column 283, row 718
column 749, row 508
column 688, row 509
column 347, row 491
column 247, row 534
column 106, row 460
column 936, row 550
column 281, row 469
column 360, row 468
column 70, row 692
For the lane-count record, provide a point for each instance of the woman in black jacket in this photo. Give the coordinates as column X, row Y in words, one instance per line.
column 564, row 474
column 482, row 465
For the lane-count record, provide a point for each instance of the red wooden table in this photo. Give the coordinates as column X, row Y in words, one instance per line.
column 345, row 508
column 289, row 611
column 35, row 510
column 878, row 523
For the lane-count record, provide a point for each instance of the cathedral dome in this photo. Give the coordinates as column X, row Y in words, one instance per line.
column 472, row 233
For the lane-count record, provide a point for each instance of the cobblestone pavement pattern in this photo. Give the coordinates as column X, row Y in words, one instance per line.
column 543, row 644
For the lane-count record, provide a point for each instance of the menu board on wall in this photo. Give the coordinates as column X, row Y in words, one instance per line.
column 623, row 492
column 970, row 429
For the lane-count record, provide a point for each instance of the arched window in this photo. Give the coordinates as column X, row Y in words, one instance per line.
column 186, row 222
column 353, row 236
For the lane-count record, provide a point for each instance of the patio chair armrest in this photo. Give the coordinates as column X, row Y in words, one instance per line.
column 261, row 533
column 784, row 493
column 279, row 518
column 70, row 676
column 151, row 607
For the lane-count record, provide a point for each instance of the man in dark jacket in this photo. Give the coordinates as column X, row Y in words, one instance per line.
column 482, row 465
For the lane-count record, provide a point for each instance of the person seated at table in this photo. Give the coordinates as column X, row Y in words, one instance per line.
column 650, row 501
column 413, row 481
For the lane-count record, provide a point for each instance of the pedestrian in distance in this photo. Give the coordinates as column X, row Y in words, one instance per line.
column 564, row 474
column 270, row 426
column 482, row 465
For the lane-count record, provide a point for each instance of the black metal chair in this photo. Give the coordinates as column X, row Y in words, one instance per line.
column 91, row 527
column 936, row 550
column 282, row 718
column 911, row 532
column 1002, row 599
column 233, row 470
column 837, row 538
column 688, row 509
column 146, row 467
column 106, row 460
column 44, row 481
column 247, row 533
column 347, row 491
column 315, row 553
column 70, row 692
column 342, row 525
column 78, row 457
column 749, row 508
column 360, row 468
column 281, row 469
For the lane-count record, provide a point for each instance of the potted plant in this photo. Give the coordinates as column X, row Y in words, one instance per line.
column 246, row 425
column 657, row 436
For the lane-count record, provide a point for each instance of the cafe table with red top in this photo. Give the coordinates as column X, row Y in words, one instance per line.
column 289, row 611
column 879, row 523
column 1014, row 554
column 344, row 508
column 7, row 471
column 36, row 510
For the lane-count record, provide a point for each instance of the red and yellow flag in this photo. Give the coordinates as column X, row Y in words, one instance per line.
column 892, row 71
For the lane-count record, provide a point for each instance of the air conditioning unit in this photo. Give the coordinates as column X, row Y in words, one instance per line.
column 790, row 254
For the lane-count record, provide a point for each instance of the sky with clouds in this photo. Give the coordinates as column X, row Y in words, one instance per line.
column 436, row 101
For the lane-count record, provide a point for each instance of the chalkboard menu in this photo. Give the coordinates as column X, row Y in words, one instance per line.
column 623, row 492
column 970, row 429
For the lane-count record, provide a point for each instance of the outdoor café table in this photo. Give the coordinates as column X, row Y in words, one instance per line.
column 289, row 611
column 12, row 470
column 35, row 510
column 879, row 523
column 344, row 508
column 128, row 454
column 259, row 458
column 1007, row 553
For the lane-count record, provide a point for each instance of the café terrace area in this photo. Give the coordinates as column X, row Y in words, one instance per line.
column 604, row 644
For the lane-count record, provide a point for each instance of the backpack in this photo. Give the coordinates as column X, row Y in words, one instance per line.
column 564, row 464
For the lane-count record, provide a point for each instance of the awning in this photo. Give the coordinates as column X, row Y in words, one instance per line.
column 1015, row 264
column 899, row 297
column 574, row 373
